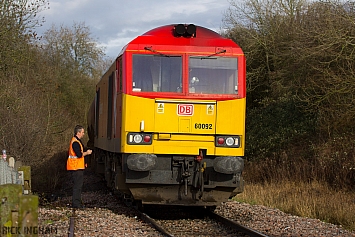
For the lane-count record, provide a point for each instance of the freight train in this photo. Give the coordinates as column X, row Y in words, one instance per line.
column 167, row 124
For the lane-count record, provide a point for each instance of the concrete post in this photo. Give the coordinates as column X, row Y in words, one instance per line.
column 25, row 171
column 12, row 162
column 19, row 213
column 28, row 215
column 10, row 199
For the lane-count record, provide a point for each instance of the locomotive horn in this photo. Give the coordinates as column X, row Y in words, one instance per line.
column 180, row 29
column 191, row 30
column 185, row 30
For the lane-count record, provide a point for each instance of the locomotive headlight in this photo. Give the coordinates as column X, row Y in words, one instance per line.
column 230, row 141
column 137, row 138
column 227, row 141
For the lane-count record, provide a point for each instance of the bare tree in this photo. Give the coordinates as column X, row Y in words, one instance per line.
column 265, row 29
column 302, row 50
column 326, row 56
column 75, row 48
column 18, row 20
column 300, row 74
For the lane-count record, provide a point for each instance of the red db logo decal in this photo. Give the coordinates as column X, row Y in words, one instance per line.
column 185, row 109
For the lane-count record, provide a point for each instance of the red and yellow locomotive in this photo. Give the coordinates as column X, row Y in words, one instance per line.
column 168, row 119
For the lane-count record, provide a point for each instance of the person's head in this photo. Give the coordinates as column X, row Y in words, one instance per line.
column 79, row 131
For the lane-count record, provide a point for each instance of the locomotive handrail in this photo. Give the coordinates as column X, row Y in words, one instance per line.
column 185, row 101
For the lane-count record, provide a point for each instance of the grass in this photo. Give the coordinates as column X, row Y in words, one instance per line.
column 314, row 200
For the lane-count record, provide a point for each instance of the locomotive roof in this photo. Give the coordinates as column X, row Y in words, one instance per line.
column 168, row 31
column 166, row 35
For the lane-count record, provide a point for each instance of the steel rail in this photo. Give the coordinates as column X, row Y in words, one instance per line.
column 158, row 227
column 235, row 225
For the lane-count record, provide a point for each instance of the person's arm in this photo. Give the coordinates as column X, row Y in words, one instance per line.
column 77, row 149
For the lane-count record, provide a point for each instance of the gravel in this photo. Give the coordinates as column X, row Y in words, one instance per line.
column 274, row 222
column 105, row 215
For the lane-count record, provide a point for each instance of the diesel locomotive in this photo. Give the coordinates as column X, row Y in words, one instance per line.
column 167, row 124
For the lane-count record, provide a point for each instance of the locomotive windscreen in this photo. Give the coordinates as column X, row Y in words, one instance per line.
column 215, row 75
column 156, row 73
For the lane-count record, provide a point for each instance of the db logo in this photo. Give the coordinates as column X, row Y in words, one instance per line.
column 185, row 109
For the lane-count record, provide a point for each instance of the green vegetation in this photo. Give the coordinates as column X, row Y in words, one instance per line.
column 300, row 139
column 300, row 104
column 46, row 87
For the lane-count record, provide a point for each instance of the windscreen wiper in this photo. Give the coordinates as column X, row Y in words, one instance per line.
column 219, row 52
column 154, row 51
column 209, row 56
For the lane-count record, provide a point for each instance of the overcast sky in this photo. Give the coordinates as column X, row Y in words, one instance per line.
column 116, row 22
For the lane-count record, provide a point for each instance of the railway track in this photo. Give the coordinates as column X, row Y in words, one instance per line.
column 177, row 222
column 216, row 225
column 232, row 224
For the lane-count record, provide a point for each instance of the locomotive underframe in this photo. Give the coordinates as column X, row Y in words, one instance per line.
column 174, row 180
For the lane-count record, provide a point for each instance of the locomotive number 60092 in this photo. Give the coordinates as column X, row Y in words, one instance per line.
column 203, row 125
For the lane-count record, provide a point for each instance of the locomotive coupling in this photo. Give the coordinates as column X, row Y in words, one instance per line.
column 228, row 164
column 141, row 162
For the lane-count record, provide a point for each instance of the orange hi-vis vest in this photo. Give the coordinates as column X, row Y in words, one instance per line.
column 74, row 162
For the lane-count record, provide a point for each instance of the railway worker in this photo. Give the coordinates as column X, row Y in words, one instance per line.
column 76, row 164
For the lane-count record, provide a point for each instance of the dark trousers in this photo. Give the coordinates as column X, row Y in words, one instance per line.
column 78, row 178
